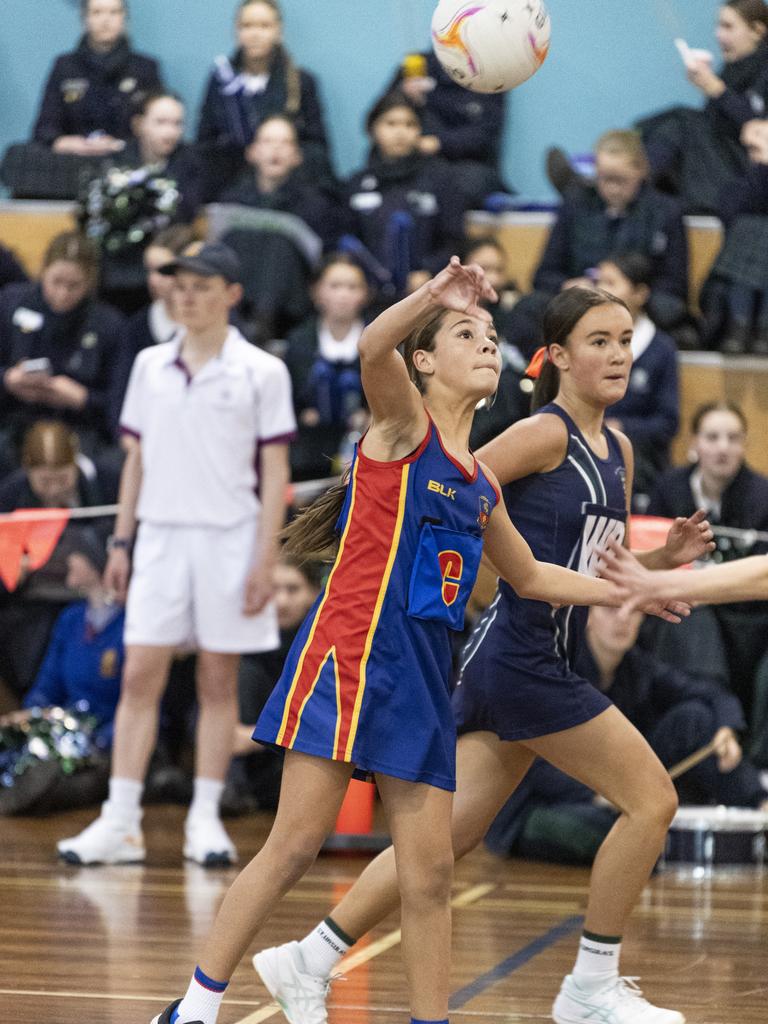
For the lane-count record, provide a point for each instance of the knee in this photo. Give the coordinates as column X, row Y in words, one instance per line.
column 660, row 804
column 427, row 883
column 136, row 689
column 296, row 854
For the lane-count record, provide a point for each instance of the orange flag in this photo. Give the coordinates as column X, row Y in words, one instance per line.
column 36, row 538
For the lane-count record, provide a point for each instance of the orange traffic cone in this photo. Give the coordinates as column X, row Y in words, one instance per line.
column 354, row 825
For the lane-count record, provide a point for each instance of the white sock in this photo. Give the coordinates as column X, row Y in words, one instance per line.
column 597, row 962
column 322, row 949
column 202, row 1001
column 125, row 800
column 205, row 798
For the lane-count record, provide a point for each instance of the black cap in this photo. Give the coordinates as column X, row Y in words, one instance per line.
column 211, row 260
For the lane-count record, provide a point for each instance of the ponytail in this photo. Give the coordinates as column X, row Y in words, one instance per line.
column 311, row 535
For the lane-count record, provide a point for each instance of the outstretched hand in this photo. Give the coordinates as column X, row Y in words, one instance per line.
column 463, row 288
column 638, row 585
column 689, row 539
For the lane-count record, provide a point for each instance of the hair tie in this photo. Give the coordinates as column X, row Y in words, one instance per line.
column 540, row 356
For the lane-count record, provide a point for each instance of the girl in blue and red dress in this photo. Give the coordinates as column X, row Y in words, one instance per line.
column 366, row 683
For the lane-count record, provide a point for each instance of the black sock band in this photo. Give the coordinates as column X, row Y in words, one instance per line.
column 346, row 939
column 613, row 940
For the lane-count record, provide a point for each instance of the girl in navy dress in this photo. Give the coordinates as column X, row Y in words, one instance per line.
column 566, row 483
column 366, row 683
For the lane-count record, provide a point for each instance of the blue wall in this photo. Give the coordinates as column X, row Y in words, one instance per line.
column 610, row 61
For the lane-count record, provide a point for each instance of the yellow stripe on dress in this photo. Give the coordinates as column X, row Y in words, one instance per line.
column 377, row 610
column 297, row 674
column 330, row 654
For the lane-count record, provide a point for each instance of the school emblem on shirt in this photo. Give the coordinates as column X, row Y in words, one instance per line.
column 484, row 515
column 73, row 89
column 108, row 663
column 89, row 340
column 451, row 568
column 127, row 85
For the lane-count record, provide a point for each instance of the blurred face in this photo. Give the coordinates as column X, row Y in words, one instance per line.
column 736, row 37
column 65, row 285
column 54, row 487
column 492, row 261
column 465, row 358
column 160, row 285
column 618, row 179
column 203, row 303
column 611, row 279
column 82, row 575
column 294, row 596
column 160, row 129
column 275, row 151
column 341, row 293
column 616, row 632
column 594, row 365
column 719, row 445
column 259, row 31
column 396, row 133
column 104, row 22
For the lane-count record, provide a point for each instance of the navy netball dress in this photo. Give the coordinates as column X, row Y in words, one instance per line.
column 367, row 679
column 515, row 678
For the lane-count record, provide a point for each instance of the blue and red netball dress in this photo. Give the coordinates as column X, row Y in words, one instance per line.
column 367, row 679
column 515, row 678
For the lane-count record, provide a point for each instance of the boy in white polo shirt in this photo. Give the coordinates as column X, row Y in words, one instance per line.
column 206, row 421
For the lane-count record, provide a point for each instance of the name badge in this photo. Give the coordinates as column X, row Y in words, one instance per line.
column 365, row 202
column 28, row 320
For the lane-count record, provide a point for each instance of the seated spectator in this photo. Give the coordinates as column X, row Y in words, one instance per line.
column 693, row 152
column 513, row 397
column 52, row 476
column 58, row 349
column 738, row 283
column 260, row 80
column 403, row 205
column 621, row 213
column 86, row 107
column 11, row 271
column 155, row 182
column 463, row 127
column 80, row 673
column 649, row 413
column 553, row 817
column 254, row 776
column 735, row 496
column 324, row 365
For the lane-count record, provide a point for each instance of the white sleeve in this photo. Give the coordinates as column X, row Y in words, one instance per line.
column 132, row 414
column 277, row 423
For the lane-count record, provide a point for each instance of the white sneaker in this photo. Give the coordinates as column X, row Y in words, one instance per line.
column 206, row 842
column 620, row 1002
column 108, row 840
column 300, row 996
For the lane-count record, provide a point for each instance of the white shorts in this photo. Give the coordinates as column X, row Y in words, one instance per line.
column 188, row 588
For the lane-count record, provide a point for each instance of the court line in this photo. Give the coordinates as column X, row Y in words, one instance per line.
column 375, row 949
column 514, row 962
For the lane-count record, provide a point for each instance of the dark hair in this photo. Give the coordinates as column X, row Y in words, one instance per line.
column 142, row 101
column 49, row 444
column 473, row 244
column 723, row 405
column 560, row 317
column 74, row 247
column 390, row 101
column 635, row 266
column 175, row 238
column 290, row 71
column 313, row 572
column 334, row 259
column 754, row 12
column 85, row 4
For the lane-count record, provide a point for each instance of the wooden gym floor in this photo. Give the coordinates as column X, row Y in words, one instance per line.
column 113, row 945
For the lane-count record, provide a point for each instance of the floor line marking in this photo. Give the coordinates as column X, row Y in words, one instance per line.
column 515, row 962
column 376, row 948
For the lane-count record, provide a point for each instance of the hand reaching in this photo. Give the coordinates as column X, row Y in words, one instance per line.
column 463, row 289
column 689, row 539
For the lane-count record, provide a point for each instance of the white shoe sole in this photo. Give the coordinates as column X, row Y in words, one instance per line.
column 220, row 859
column 71, row 856
column 558, row 1018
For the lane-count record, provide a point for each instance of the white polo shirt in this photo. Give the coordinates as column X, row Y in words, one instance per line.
column 200, row 436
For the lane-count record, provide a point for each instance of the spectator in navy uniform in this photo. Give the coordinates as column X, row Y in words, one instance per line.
column 693, row 153
column 621, row 213
column 11, row 271
column 403, row 206
column 553, row 817
column 261, row 79
column 719, row 480
column 88, row 100
column 649, row 413
column 463, row 127
column 58, row 349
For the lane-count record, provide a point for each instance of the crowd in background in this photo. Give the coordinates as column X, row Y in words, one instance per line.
column 319, row 257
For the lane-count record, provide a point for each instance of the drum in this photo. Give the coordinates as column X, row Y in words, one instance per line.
column 702, row 840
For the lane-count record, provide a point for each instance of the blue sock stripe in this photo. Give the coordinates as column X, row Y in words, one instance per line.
column 209, row 983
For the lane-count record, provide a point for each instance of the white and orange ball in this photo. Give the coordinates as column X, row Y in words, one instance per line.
column 490, row 45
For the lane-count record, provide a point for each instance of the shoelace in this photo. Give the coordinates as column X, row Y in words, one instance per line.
column 628, row 986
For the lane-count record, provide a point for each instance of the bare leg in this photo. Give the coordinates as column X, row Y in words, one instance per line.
column 487, row 772
column 310, row 797
column 144, row 678
column 420, row 823
column 217, row 694
column 610, row 756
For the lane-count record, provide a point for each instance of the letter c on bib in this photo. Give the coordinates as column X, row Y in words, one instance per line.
column 451, row 568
